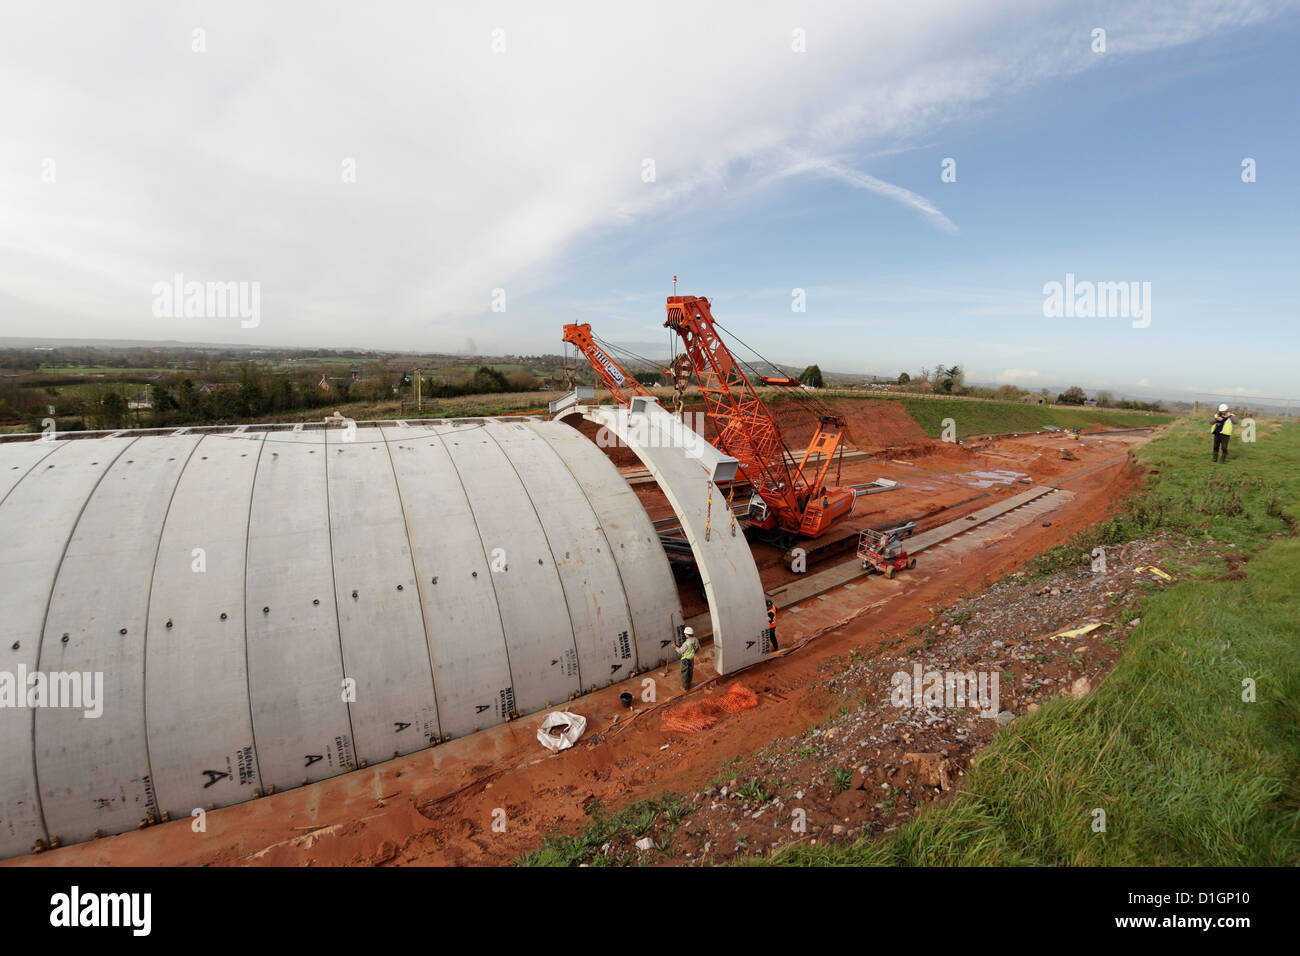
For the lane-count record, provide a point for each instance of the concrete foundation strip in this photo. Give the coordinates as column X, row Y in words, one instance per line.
column 837, row 576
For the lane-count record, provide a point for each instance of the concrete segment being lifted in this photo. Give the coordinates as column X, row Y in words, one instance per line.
column 686, row 468
column 273, row 605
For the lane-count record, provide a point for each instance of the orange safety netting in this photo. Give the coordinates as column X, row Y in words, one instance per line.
column 701, row 715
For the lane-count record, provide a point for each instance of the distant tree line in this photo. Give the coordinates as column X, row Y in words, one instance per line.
column 227, row 393
column 950, row 380
column 485, row 381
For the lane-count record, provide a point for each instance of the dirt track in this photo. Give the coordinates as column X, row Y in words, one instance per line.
column 440, row 806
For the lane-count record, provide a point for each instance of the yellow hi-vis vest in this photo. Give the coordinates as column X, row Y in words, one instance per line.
column 689, row 647
column 1226, row 429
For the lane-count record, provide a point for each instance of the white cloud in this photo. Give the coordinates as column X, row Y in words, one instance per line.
column 475, row 170
column 858, row 180
column 1014, row 376
column 1223, row 390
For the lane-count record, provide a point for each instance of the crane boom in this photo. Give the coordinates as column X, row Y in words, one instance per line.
column 746, row 429
column 795, row 504
column 622, row 385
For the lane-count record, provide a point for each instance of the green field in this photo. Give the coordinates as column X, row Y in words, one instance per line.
column 91, row 391
column 458, row 373
column 980, row 417
column 1188, row 773
column 996, row 418
column 100, row 369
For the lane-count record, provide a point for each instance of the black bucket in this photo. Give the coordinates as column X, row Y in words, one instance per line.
column 626, row 699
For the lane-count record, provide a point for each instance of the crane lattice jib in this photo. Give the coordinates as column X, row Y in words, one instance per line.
column 620, row 383
column 746, row 429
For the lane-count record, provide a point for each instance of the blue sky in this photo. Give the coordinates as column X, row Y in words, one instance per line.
column 1130, row 171
column 520, row 168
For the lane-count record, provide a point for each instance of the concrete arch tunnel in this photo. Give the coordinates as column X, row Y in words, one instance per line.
column 269, row 606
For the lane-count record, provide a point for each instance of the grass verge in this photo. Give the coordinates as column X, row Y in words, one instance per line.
column 999, row 418
column 986, row 416
column 618, row 829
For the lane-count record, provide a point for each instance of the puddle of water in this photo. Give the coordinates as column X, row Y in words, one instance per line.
column 987, row 479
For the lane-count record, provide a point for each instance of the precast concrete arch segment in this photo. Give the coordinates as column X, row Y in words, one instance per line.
column 683, row 464
column 269, row 608
column 301, row 718
column 648, row 581
column 386, row 665
column 97, row 621
column 37, row 519
column 466, row 640
column 592, row 589
column 544, row 662
column 198, row 719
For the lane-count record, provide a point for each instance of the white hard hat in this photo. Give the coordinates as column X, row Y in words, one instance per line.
column 1223, row 408
column 689, row 632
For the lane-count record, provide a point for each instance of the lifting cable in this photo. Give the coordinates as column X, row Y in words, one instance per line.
column 810, row 403
column 624, row 352
column 809, row 400
column 799, row 396
column 708, row 513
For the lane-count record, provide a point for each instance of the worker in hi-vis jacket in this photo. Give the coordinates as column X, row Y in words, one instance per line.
column 1222, row 431
column 687, row 649
column 771, row 623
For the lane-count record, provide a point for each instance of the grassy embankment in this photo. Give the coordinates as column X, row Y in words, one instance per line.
column 990, row 417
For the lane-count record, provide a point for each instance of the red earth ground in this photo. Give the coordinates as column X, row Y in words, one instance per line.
column 488, row 797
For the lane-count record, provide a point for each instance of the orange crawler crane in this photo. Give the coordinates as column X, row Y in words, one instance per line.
column 789, row 499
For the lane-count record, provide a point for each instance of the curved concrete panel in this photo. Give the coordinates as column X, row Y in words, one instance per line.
column 21, row 459
column 95, row 772
column 593, row 591
column 36, row 521
column 655, row 607
column 196, row 674
column 295, row 665
column 682, row 467
column 466, row 641
column 382, row 625
column 543, row 652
